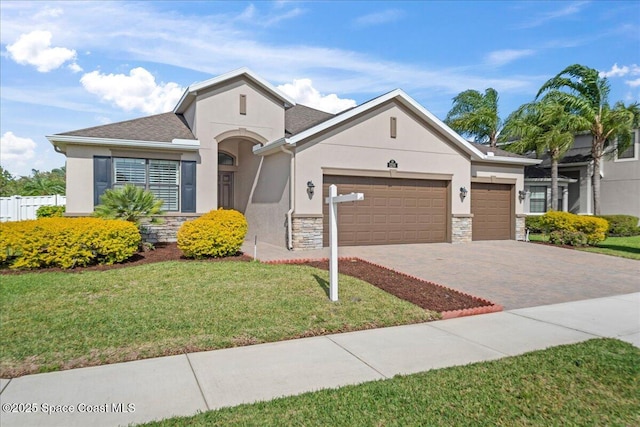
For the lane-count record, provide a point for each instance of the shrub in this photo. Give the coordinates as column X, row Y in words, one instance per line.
column 129, row 203
column 594, row 229
column 66, row 242
column 566, row 237
column 50, row 211
column 622, row 225
column 218, row 233
column 535, row 224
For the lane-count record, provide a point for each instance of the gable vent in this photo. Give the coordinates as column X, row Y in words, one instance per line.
column 243, row 105
column 393, row 127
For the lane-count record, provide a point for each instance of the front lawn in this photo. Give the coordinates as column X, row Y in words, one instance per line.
column 52, row 321
column 592, row 383
column 625, row 247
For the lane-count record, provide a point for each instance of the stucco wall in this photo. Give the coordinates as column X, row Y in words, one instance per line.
column 620, row 185
column 80, row 177
column 268, row 201
column 218, row 118
column 365, row 143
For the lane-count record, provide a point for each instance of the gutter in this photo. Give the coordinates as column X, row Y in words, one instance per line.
column 291, row 196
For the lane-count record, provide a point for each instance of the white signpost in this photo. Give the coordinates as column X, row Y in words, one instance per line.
column 333, row 201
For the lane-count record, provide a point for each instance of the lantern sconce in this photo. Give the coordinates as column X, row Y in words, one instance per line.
column 522, row 195
column 463, row 192
column 311, row 188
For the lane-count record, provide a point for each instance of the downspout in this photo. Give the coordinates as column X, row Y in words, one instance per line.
column 291, row 197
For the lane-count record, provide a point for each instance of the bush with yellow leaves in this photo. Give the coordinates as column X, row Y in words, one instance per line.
column 66, row 242
column 575, row 230
column 217, row 233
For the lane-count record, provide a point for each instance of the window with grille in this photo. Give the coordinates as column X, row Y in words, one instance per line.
column 538, row 199
column 161, row 177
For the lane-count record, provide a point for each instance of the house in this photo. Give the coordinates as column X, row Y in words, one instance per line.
column 619, row 181
column 237, row 142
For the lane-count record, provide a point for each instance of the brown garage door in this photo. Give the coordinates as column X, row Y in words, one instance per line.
column 492, row 209
column 393, row 211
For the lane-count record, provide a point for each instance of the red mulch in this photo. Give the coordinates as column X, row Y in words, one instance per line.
column 422, row 293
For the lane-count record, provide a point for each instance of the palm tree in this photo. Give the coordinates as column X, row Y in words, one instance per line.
column 544, row 126
column 476, row 115
column 41, row 185
column 129, row 203
column 585, row 93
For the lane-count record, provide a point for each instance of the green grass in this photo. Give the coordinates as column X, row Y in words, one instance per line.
column 592, row 383
column 624, row 247
column 53, row 321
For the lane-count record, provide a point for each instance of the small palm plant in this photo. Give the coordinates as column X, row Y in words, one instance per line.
column 130, row 203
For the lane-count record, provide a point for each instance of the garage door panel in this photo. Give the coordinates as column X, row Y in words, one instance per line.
column 492, row 209
column 394, row 211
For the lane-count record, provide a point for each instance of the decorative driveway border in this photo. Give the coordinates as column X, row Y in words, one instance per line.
column 490, row 306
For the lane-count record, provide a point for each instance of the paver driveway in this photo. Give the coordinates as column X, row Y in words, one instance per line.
column 512, row 274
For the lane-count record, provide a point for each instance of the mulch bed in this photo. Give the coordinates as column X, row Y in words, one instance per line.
column 420, row 292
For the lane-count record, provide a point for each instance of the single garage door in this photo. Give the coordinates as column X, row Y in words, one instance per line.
column 393, row 211
column 492, row 209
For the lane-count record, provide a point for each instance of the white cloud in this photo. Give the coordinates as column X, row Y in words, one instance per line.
column 75, row 67
column 136, row 91
column 572, row 8
column 16, row 150
column 502, row 57
column 378, row 18
column 633, row 83
column 302, row 91
column 616, row 71
column 35, row 49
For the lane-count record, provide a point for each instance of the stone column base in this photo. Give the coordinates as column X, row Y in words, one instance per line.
column 307, row 232
column 167, row 231
column 461, row 230
column 520, row 227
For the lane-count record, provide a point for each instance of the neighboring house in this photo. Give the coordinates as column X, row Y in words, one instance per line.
column 619, row 184
column 237, row 142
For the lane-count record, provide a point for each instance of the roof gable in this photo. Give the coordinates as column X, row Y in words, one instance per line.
column 191, row 92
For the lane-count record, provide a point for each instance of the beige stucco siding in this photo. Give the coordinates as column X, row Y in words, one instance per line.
column 218, row 117
column 365, row 143
column 508, row 172
column 268, row 199
column 80, row 177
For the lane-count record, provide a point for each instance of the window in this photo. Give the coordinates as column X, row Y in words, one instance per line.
column 630, row 152
column 161, row 177
column 538, row 199
column 225, row 159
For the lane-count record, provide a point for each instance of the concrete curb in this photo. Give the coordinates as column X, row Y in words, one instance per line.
column 490, row 306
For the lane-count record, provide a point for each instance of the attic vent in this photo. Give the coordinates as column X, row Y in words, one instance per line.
column 243, row 105
column 393, row 127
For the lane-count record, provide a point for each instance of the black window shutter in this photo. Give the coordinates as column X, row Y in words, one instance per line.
column 188, row 187
column 101, row 177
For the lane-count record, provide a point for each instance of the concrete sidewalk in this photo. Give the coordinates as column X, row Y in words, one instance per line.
column 153, row 389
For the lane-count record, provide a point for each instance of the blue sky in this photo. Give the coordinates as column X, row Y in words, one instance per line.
column 71, row 65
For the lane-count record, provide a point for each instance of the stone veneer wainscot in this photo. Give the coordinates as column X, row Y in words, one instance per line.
column 307, row 232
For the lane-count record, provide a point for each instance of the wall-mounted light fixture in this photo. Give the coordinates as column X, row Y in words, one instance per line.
column 392, row 164
column 311, row 188
column 522, row 195
column 463, row 192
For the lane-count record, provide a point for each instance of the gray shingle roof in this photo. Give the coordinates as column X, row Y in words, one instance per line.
column 538, row 172
column 497, row 151
column 574, row 155
column 161, row 128
column 300, row 118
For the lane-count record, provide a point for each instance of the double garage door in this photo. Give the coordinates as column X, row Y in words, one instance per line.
column 393, row 211
column 398, row 211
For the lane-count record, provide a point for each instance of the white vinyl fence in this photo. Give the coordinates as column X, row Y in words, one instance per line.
column 18, row 208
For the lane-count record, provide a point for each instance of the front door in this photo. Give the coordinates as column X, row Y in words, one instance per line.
column 225, row 190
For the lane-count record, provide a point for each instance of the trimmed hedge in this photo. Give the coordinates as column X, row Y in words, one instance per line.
column 622, row 225
column 50, row 211
column 217, row 233
column 570, row 229
column 66, row 242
